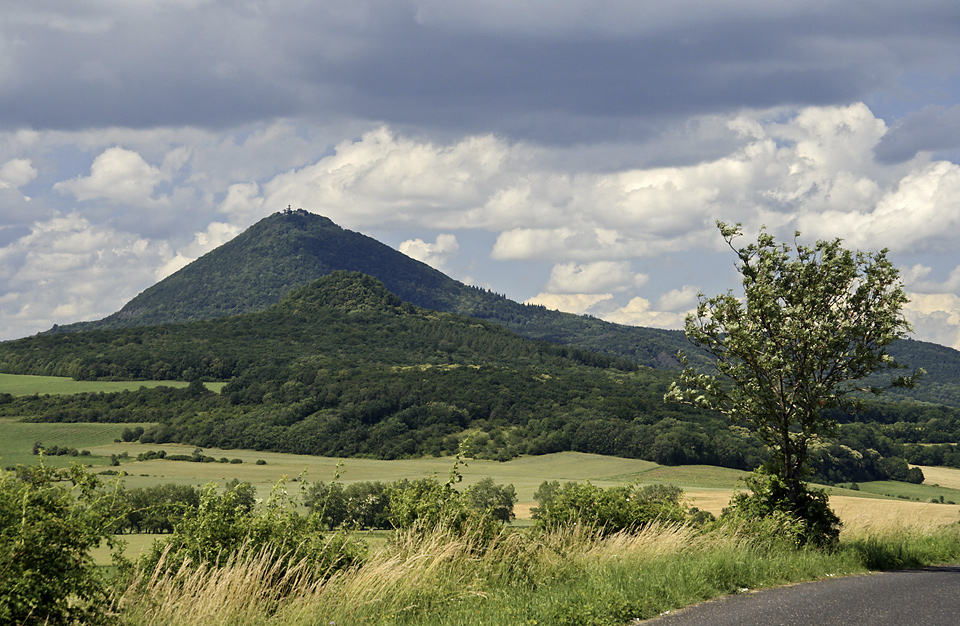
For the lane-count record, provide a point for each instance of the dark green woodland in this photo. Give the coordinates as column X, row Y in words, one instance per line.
column 333, row 344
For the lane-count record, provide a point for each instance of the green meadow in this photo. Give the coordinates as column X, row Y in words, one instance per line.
column 22, row 385
column 707, row 487
column 17, row 439
column 922, row 492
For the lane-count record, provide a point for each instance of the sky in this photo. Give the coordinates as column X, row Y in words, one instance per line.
column 571, row 153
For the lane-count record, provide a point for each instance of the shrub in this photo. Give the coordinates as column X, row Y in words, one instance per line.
column 497, row 500
column 228, row 526
column 49, row 520
column 809, row 522
column 624, row 507
column 426, row 502
column 157, row 509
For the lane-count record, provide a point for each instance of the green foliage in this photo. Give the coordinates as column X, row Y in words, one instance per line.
column 426, row 503
column 230, row 525
column 404, row 504
column 362, row 505
column 158, row 509
column 769, row 508
column 813, row 323
column 315, row 375
column 286, row 251
column 496, row 500
column 49, row 520
column 623, row 507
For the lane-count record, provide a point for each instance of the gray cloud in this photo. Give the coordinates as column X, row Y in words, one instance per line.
column 930, row 129
column 556, row 73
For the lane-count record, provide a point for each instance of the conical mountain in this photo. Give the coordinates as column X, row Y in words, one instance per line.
column 290, row 249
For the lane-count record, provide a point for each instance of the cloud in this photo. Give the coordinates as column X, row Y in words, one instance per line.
column 639, row 312
column 216, row 234
column 935, row 317
column 932, row 128
column 578, row 303
column 117, row 174
column 387, row 179
column 435, row 254
column 681, row 300
column 543, row 71
column 920, row 210
column 16, row 173
column 812, row 169
column 573, row 278
column 66, row 269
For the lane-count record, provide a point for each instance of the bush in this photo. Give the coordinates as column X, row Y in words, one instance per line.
column 159, row 508
column 426, row 502
column 810, row 521
column 49, row 520
column 624, row 507
column 229, row 526
column 497, row 500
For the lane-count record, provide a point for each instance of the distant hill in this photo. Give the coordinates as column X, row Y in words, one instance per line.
column 290, row 249
column 344, row 367
column 293, row 248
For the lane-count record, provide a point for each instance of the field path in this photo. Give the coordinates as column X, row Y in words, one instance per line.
column 923, row 597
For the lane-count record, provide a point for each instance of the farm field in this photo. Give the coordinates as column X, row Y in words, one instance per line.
column 23, row 385
column 17, row 439
column 923, row 492
column 706, row 487
column 943, row 476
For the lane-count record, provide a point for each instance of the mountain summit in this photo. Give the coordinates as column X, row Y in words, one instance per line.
column 276, row 255
column 290, row 249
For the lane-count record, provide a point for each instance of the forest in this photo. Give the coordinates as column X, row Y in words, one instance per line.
column 342, row 367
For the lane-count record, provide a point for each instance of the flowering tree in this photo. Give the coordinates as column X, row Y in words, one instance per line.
column 813, row 322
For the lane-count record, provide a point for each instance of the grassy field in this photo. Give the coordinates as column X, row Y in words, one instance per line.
column 924, row 492
column 571, row 577
column 706, row 487
column 17, row 438
column 19, row 385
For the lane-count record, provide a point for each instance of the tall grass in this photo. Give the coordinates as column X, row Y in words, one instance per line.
column 570, row 576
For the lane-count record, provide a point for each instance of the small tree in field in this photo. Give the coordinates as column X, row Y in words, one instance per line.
column 813, row 322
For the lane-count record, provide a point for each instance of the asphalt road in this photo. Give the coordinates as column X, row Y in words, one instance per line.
column 924, row 597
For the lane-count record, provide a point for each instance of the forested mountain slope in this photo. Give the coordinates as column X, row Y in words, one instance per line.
column 344, row 367
column 293, row 248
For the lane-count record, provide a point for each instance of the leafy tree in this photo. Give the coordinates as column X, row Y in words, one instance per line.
column 623, row 507
column 812, row 323
column 231, row 525
column 49, row 521
column 545, row 494
column 498, row 500
column 426, row 503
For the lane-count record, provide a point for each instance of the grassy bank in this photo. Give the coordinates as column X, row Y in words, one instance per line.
column 26, row 385
column 567, row 577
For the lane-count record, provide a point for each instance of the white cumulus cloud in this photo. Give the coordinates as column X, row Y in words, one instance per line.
column 935, row 317
column 639, row 312
column 117, row 174
column 435, row 254
column 67, row 269
column 16, row 173
column 578, row 303
column 679, row 300
column 594, row 277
